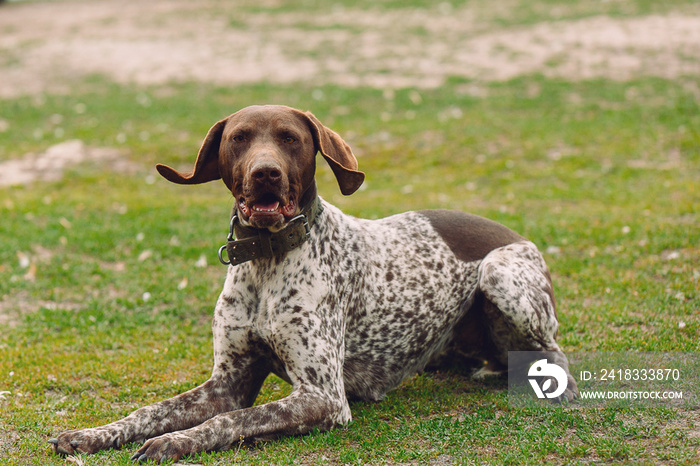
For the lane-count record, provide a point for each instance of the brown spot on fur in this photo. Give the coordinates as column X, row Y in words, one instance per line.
column 469, row 236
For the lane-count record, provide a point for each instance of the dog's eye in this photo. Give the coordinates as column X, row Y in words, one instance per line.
column 239, row 138
column 288, row 140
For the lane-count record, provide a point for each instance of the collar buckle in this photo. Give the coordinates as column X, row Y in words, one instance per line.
column 305, row 222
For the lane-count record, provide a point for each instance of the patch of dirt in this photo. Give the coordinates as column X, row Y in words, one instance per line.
column 47, row 46
column 51, row 164
column 13, row 308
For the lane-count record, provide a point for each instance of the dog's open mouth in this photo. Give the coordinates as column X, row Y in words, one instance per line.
column 267, row 210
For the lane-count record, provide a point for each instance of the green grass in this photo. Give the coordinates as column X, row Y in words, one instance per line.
column 601, row 175
column 84, row 347
column 506, row 13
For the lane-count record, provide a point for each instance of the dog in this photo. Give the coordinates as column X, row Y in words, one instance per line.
column 337, row 306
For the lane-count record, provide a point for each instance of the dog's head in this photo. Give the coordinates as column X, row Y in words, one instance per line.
column 266, row 156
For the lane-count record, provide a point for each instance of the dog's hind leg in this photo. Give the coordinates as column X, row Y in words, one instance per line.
column 519, row 305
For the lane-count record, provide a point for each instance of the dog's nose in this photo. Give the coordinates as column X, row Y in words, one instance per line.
column 267, row 173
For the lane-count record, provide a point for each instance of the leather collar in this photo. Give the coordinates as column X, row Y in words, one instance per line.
column 247, row 243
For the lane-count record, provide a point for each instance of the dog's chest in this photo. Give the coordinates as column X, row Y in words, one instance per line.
column 387, row 289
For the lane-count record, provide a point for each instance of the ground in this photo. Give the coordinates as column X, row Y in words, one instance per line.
column 45, row 47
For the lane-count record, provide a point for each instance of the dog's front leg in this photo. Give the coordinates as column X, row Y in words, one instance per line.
column 222, row 393
column 299, row 413
column 310, row 346
column 147, row 421
column 236, row 379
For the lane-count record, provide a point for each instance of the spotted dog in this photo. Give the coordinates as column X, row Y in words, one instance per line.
column 337, row 306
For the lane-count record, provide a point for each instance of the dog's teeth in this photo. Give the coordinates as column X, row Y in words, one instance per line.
column 270, row 208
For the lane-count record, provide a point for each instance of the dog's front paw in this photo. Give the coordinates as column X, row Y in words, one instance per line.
column 82, row 441
column 171, row 446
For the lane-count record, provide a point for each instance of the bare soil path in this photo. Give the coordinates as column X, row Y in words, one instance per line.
column 48, row 46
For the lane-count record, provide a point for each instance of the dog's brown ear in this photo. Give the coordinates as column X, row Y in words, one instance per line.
column 338, row 155
column 206, row 167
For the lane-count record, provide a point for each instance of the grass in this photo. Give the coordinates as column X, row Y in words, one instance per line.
column 506, row 13
column 601, row 175
column 85, row 346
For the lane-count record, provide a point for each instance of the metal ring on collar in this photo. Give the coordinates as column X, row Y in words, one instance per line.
column 221, row 256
